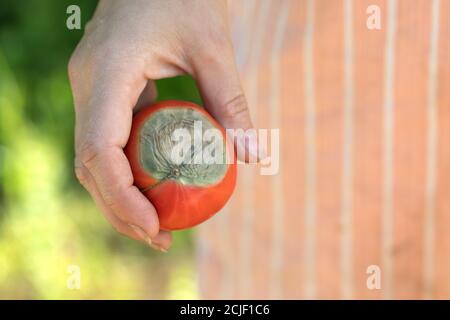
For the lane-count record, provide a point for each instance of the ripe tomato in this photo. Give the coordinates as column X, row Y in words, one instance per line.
column 184, row 190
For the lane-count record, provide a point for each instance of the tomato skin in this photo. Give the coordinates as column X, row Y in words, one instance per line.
column 179, row 206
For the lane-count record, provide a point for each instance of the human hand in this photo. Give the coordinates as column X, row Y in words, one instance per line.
column 126, row 46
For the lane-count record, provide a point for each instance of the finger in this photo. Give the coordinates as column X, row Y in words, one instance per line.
column 102, row 129
column 147, row 97
column 161, row 242
column 111, row 172
column 222, row 93
column 88, row 183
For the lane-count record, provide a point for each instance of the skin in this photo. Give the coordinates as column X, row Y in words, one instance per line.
column 126, row 46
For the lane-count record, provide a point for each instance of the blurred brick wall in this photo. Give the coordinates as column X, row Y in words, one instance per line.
column 364, row 118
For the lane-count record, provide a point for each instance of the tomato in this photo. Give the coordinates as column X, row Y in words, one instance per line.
column 186, row 190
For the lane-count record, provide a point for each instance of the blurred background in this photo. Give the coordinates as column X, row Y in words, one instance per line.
column 48, row 223
column 364, row 173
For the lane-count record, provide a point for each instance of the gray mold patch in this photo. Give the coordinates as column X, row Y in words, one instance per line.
column 157, row 143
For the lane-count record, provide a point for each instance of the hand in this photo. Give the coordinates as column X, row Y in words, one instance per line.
column 127, row 45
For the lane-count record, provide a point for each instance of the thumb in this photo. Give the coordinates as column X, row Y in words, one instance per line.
column 222, row 94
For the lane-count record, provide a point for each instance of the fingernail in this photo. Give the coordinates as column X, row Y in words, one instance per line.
column 253, row 150
column 156, row 247
column 240, row 147
column 257, row 151
column 247, row 147
column 262, row 153
column 141, row 233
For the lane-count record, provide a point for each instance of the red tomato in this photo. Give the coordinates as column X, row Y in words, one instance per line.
column 184, row 193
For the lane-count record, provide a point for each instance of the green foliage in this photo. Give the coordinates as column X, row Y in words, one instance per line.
column 47, row 221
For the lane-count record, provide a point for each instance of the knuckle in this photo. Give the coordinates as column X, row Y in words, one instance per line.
column 110, row 201
column 81, row 174
column 235, row 107
column 89, row 153
column 113, row 198
column 220, row 42
column 89, row 57
column 217, row 36
column 217, row 48
column 89, row 27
